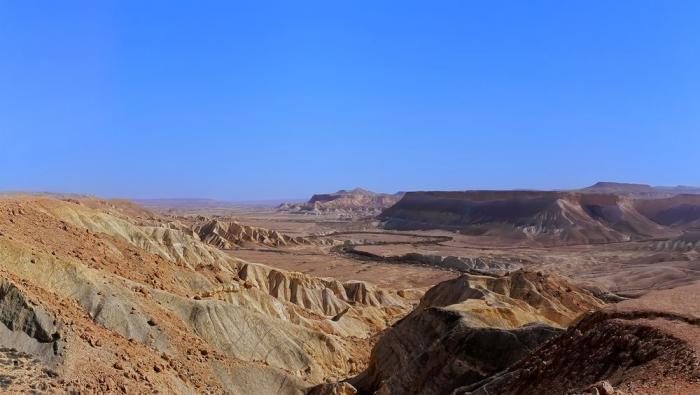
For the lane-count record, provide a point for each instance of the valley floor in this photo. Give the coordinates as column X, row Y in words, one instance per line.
column 625, row 268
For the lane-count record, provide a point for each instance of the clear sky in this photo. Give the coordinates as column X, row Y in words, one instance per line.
column 262, row 99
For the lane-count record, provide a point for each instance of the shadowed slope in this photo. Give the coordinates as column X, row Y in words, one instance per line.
column 647, row 345
column 466, row 329
column 546, row 217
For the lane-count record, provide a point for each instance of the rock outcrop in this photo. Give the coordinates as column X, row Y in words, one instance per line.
column 639, row 346
column 488, row 265
column 474, row 336
column 353, row 202
column 27, row 327
column 230, row 234
column 470, row 328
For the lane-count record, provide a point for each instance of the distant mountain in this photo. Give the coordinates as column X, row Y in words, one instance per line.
column 639, row 190
column 355, row 201
column 680, row 189
column 621, row 188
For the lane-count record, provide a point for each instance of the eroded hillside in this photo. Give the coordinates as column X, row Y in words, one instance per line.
column 104, row 296
column 467, row 329
column 546, row 217
column 108, row 300
column 229, row 234
column 533, row 333
column 357, row 201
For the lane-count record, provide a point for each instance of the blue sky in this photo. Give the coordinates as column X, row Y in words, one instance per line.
column 263, row 100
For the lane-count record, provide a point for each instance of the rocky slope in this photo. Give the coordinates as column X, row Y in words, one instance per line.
column 469, row 328
column 355, row 201
column 100, row 300
column 546, row 217
column 641, row 346
column 481, row 335
column 229, row 234
column 681, row 211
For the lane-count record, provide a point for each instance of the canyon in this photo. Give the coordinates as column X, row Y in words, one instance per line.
column 477, row 292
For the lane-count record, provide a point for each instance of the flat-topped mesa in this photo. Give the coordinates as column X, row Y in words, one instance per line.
column 548, row 217
column 230, row 234
column 622, row 188
column 357, row 200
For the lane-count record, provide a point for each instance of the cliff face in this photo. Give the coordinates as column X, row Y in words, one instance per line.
column 681, row 211
column 356, row 201
column 547, row 217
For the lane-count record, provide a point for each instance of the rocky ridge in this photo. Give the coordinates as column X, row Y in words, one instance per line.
column 109, row 302
column 467, row 329
column 230, row 234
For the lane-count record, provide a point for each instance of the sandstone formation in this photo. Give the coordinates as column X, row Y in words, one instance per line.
column 229, row 234
column 103, row 299
column 643, row 346
column 467, row 329
column 546, row 217
column 355, row 201
column 481, row 335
